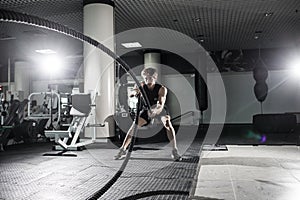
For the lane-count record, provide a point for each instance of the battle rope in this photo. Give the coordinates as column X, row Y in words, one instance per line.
column 155, row 193
column 16, row 17
column 22, row 18
column 100, row 192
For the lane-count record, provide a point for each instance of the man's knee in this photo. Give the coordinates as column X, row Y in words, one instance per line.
column 141, row 122
column 167, row 123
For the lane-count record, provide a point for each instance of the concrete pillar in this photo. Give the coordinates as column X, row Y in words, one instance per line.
column 152, row 59
column 22, row 80
column 99, row 70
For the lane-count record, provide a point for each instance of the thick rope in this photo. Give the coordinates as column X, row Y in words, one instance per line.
column 15, row 17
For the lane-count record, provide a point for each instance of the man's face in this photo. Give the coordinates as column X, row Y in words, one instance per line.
column 149, row 80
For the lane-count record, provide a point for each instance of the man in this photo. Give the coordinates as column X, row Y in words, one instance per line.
column 156, row 94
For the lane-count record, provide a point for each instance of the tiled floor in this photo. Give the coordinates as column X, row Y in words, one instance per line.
column 244, row 172
column 26, row 174
column 250, row 173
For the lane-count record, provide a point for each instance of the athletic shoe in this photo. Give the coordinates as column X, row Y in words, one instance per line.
column 121, row 153
column 175, row 155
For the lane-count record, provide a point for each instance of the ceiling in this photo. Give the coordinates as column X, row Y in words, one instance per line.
column 218, row 25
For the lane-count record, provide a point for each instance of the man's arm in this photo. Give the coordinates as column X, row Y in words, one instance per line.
column 162, row 95
column 136, row 91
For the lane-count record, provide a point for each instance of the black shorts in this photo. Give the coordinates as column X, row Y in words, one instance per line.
column 145, row 116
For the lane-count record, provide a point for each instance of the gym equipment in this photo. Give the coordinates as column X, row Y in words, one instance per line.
column 50, row 111
column 201, row 93
column 81, row 110
column 13, row 117
column 275, row 123
column 260, row 74
column 36, row 21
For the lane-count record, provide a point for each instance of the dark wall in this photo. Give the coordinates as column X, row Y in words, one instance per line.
column 4, row 73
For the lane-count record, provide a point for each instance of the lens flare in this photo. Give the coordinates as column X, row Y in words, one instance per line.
column 262, row 138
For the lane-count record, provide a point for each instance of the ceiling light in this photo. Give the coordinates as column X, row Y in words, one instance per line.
column 45, row 51
column 7, row 38
column 131, row 45
column 200, row 37
column 35, row 32
column 268, row 14
column 257, row 33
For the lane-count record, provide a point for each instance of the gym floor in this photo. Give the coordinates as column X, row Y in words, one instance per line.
column 234, row 172
column 250, row 172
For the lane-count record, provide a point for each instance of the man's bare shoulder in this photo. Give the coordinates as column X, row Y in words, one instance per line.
column 163, row 90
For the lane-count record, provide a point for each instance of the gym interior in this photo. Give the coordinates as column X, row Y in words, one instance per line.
column 68, row 71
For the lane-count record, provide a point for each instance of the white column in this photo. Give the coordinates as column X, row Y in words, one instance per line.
column 152, row 59
column 22, row 80
column 99, row 70
column 8, row 74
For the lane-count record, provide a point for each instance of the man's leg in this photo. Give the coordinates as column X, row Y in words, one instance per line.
column 171, row 136
column 128, row 138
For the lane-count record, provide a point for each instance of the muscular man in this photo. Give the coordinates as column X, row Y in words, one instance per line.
column 157, row 97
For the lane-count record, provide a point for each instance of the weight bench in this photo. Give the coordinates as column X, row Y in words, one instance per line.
column 57, row 135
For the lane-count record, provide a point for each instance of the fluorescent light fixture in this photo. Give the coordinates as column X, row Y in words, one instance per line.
column 131, row 45
column 45, row 51
column 7, row 38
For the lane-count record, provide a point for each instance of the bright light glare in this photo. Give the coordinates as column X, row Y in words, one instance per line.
column 51, row 64
column 290, row 192
column 295, row 68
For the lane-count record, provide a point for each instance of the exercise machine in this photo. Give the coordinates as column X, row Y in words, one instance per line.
column 49, row 113
column 69, row 140
column 12, row 116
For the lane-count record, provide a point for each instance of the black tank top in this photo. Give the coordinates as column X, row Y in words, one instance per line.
column 152, row 94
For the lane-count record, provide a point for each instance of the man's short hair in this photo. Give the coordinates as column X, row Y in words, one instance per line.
column 149, row 72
